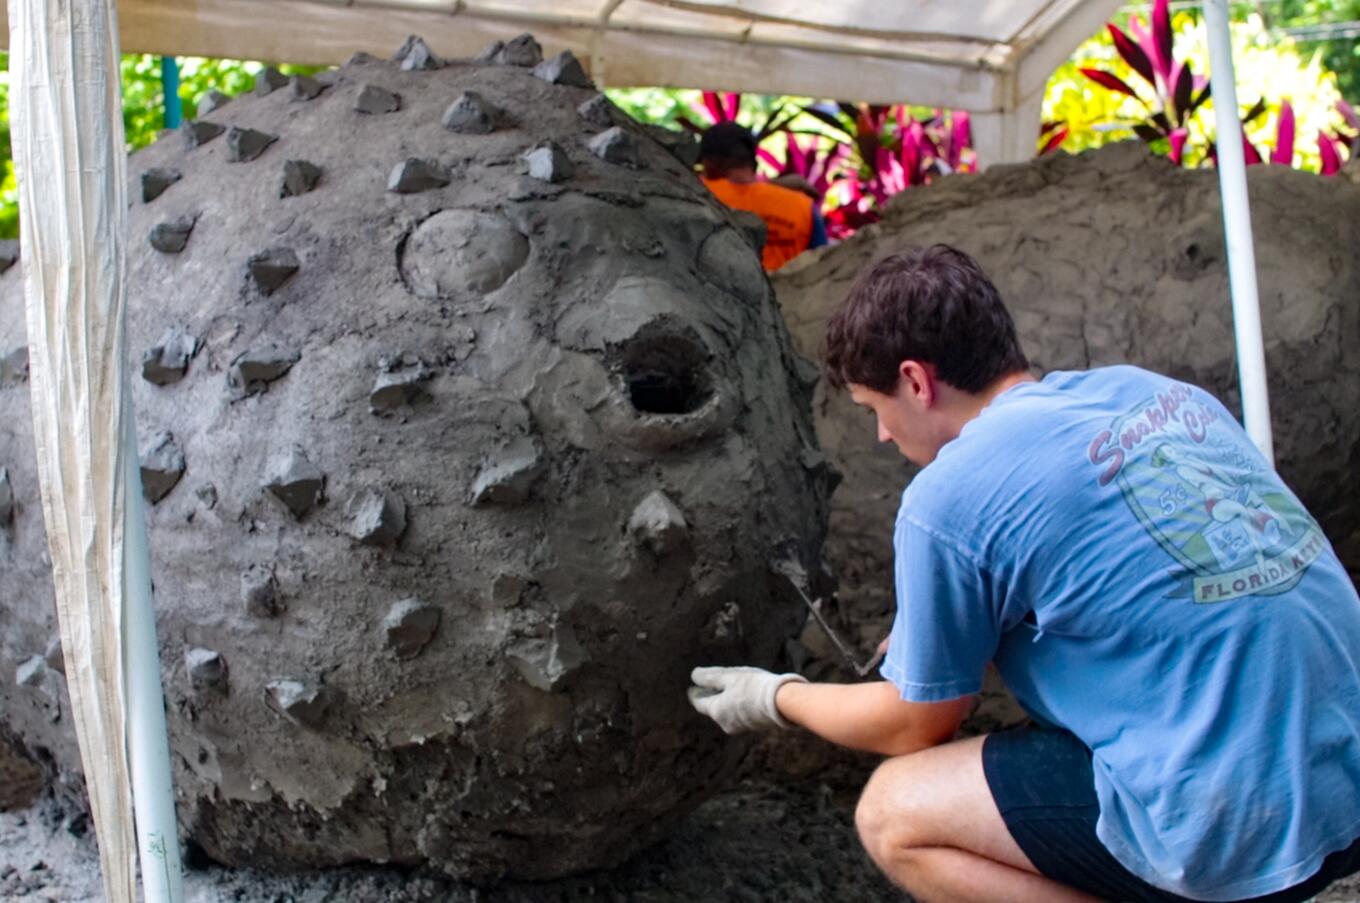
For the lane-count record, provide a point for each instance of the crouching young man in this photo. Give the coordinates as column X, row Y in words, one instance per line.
column 1176, row 624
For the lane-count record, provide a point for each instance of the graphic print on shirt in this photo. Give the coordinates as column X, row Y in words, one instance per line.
column 1205, row 496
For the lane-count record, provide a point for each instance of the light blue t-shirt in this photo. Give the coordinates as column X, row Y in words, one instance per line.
column 1191, row 624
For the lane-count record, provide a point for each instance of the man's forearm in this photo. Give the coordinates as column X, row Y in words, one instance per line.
column 870, row 716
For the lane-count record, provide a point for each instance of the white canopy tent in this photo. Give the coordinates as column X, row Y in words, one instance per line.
column 990, row 57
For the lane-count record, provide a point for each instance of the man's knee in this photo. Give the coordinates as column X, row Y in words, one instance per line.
column 887, row 816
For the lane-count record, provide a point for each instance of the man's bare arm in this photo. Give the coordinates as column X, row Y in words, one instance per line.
column 871, row 716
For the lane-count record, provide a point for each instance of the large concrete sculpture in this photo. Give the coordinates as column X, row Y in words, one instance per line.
column 468, row 427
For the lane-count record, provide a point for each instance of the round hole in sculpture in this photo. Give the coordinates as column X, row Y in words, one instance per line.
column 665, row 372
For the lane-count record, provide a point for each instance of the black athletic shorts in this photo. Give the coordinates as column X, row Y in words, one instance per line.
column 1042, row 782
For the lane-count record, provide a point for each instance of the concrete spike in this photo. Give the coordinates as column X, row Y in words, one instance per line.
column 508, row 478
column 471, row 114
column 299, row 177
column 521, row 50
column 162, row 466
column 409, row 626
column 658, row 524
column 206, row 668
column 564, row 69
column 545, row 663
column 272, row 267
column 210, row 101
column 6, row 498
column 598, row 111
column 53, row 655
column 300, row 701
column 488, row 53
column 376, row 517
column 199, row 131
column 362, row 58
column 14, row 367
column 31, row 672
column 414, row 175
column 415, row 54
column 373, row 99
column 155, row 181
column 170, row 236
column 269, row 80
column 395, row 389
column 253, row 370
column 167, row 361
column 244, row 145
column 549, row 163
column 295, row 481
column 260, row 592
column 304, row 87
column 615, row 146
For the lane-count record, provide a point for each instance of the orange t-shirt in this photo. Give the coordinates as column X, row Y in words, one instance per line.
column 787, row 215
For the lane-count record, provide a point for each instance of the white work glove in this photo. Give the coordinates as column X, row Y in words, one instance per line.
column 739, row 699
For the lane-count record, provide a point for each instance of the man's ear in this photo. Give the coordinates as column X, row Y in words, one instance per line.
column 916, row 379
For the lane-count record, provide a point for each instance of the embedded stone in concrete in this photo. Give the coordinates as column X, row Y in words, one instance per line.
column 162, row 466
column 269, row 80
column 212, row 100
column 53, row 655
column 244, row 145
column 6, row 498
column 299, row 177
column 171, row 236
column 362, row 58
column 416, row 54
column 156, row 180
column 206, row 668
column 413, row 175
column 598, row 111
column 563, row 69
column 252, row 371
column 373, row 99
column 521, row 50
column 471, row 114
column 548, row 162
column 31, row 672
column 545, row 662
column 409, row 626
column 295, row 481
column 199, row 132
column 304, row 87
column 658, row 524
column 300, row 701
column 14, row 367
column 508, row 477
column 615, row 146
column 460, row 252
column 376, row 517
column 259, row 592
column 272, row 267
column 395, row 389
column 167, row 361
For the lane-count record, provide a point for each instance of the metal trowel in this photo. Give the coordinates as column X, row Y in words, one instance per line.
column 792, row 570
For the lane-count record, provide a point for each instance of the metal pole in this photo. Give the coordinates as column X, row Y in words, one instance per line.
column 174, row 109
column 1232, row 178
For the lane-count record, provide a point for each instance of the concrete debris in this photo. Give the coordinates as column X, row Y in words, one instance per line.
column 162, row 466
column 14, row 367
column 207, row 669
column 156, row 180
column 564, row 69
column 414, row 175
column 252, row 371
column 658, row 524
column 295, row 481
column 299, row 177
column 508, row 478
column 372, row 99
column 212, row 100
column 199, row 132
column 6, row 498
column 415, row 54
column 409, row 626
column 170, row 236
column 615, row 146
column 549, row 163
column 31, row 672
column 168, row 360
column 301, row 702
column 259, row 592
column 725, row 625
column 507, row 588
column 207, row 495
column 545, row 663
column 521, row 50
column 269, row 80
column 376, row 517
column 244, row 145
column 272, row 267
column 598, row 111
column 304, row 87
column 55, row 658
column 471, row 114
column 396, row 389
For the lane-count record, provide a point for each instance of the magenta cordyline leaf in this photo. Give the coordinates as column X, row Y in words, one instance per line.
column 773, row 162
column 732, row 105
column 797, row 160
column 1056, row 137
column 1106, row 80
column 1253, row 157
column 960, row 138
column 1178, row 139
column 1283, row 154
column 713, row 105
column 1134, row 55
column 1182, row 92
column 1330, row 153
column 1161, row 38
column 1348, row 113
column 1149, row 46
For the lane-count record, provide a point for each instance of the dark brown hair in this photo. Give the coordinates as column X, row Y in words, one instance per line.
column 933, row 305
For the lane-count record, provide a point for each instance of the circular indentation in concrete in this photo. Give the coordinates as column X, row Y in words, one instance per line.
column 664, row 370
column 456, row 252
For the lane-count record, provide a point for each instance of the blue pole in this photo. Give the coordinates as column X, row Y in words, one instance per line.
column 174, row 110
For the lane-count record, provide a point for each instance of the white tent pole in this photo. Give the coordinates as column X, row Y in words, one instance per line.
column 1232, row 178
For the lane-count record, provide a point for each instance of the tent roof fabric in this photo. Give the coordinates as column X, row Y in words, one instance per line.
column 986, row 56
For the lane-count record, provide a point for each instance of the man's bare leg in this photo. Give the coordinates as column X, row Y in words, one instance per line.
column 929, row 822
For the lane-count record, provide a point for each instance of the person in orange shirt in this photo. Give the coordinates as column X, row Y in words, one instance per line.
column 793, row 224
